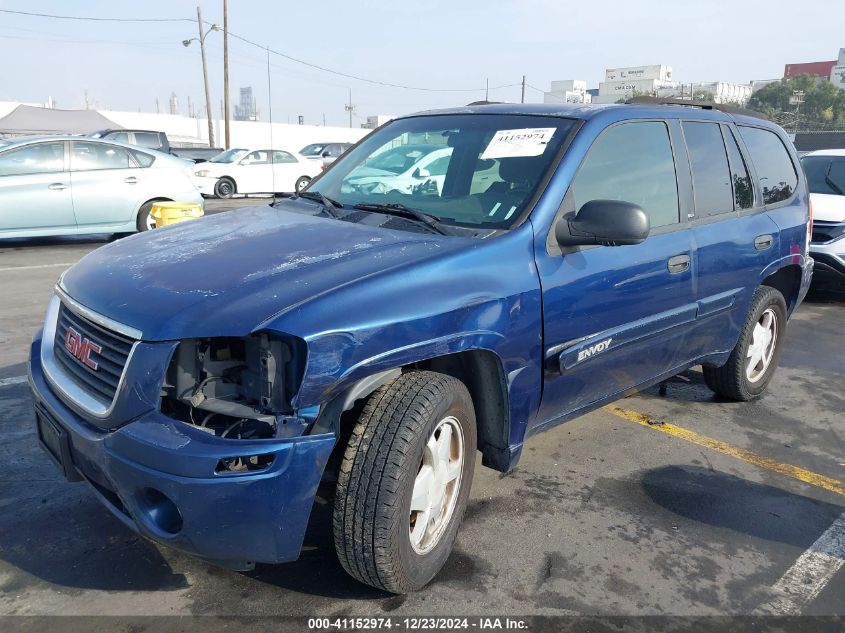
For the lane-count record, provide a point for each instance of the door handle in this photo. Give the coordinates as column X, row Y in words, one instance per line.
column 131, row 180
column 57, row 186
column 678, row 264
column 762, row 242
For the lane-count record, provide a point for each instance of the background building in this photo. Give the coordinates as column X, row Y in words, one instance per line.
column 621, row 84
column 567, row 91
column 837, row 73
column 246, row 110
column 814, row 69
column 377, row 120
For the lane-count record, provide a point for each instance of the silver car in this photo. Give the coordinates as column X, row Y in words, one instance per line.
column 67, row 185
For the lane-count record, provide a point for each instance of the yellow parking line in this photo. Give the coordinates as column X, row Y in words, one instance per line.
column 808, row 477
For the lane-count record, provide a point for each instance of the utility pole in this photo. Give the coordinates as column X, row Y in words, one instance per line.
column 205, row 80
column 349, row 107
column 226, row 73
column 324, row 119
column 523, row 89
column 486, row 92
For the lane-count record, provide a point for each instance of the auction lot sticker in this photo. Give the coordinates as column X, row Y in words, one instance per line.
column 530, row 141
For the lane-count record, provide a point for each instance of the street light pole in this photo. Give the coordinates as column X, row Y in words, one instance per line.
column 226, row 72
column 205, row 80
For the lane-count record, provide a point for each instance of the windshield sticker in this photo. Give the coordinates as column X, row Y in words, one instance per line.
column 524, row 142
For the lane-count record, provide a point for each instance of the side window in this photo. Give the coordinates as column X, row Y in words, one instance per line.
column 775, row 170
column 280, row 156
column 143, row 160
column 87, row 156
column 260, row 157
column 710, row 172
column 120, row 137
column 631, row 162
column 439, row 166
column 741, row 181
column 41, row 158
column 147, row 139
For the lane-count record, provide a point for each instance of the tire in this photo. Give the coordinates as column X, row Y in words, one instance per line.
column 301, row 183
column 145, row 221
column 224, row 187
column 388, row 451
column 738, row 379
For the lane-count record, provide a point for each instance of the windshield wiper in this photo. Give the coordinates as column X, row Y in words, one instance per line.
column 329, row 205
column 401, row 211
column 831, row 183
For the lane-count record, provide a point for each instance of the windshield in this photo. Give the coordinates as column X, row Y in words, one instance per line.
column 229, row 156
column 465, row 169
column 825, row 174
column 312, row 150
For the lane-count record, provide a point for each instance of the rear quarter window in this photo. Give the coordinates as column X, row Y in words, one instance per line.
column 775, row 169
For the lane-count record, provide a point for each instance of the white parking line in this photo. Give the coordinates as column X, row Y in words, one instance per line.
column 810, row 574
column 14, row 380
column 12, row 268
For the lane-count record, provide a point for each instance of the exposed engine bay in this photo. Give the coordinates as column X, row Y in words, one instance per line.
column 234, row 388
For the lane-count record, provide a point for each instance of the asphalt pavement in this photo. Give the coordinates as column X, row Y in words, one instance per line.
column 675, row 504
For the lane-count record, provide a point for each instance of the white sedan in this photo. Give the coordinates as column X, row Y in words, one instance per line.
column 241, row 170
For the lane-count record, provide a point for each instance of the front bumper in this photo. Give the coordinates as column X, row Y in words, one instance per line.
column 829, row 263
column 147, row 468
column 205, row 184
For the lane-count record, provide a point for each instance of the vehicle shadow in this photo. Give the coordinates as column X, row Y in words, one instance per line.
column 730, row 502
column 18, row 243
column 317, row 571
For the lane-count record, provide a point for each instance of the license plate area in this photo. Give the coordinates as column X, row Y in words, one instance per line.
column 54, row 440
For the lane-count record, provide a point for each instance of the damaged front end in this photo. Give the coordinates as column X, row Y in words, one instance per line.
column 236, row 389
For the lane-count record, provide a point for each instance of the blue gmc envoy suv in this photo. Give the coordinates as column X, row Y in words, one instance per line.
column 456, row 282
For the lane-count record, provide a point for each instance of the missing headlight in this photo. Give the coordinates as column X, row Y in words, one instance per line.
column 235, row 388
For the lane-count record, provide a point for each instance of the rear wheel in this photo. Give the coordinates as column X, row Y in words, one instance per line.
column 146, row 221
column 404, row 481
column 224, row 187
column 301, row 183
column 752, row 362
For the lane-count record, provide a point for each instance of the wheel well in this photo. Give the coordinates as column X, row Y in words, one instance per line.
column 787, row 281
column 484, row 377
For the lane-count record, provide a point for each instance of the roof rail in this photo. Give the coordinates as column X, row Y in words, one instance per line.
column 691, row 103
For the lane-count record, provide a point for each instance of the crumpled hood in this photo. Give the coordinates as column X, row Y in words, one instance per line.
column 828, row 207
column 226, row 274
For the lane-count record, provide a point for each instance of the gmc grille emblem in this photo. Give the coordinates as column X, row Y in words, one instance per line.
column 82, row 348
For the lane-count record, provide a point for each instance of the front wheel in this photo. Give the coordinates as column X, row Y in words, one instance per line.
column 224, row 188
column 404, row 481
column 752, row 362
column 301, row 183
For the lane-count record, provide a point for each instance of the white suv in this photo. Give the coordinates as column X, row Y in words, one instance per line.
column 825, row 171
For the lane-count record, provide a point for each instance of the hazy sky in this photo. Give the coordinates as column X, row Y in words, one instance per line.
column 428, row 43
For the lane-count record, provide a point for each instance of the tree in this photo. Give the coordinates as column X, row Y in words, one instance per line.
column 823, row 103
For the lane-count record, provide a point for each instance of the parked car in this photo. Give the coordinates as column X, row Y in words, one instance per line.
column 825, row 171
column 241, row 170
column 205, row 380
column 61, row 185
column 332, row 152
column 156, row 140
column 402, row 169
column 315, row 150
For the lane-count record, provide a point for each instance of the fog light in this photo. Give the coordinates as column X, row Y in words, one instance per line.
column 244, row 464
column 160, row 511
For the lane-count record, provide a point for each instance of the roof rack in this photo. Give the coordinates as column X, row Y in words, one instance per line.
column 704, row 105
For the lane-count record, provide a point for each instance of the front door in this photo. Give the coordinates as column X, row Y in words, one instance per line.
column 615, row 317
column 255, row 173
column 35, row 189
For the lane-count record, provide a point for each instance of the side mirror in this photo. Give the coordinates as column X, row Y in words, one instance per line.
column 606, row 222
column 419, row 172
column 326, row 154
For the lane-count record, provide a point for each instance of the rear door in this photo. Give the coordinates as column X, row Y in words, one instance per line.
column 735, row 238
column 286, row 170
column 614, row 317
column 105, row 184
column 35, row 188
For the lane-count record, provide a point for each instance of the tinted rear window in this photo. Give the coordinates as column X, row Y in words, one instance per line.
column 710, row 172
column 825, row 174
column 778, row 178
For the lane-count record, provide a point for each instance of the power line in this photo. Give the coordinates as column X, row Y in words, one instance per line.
column 93, row 19
column 264, row 48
